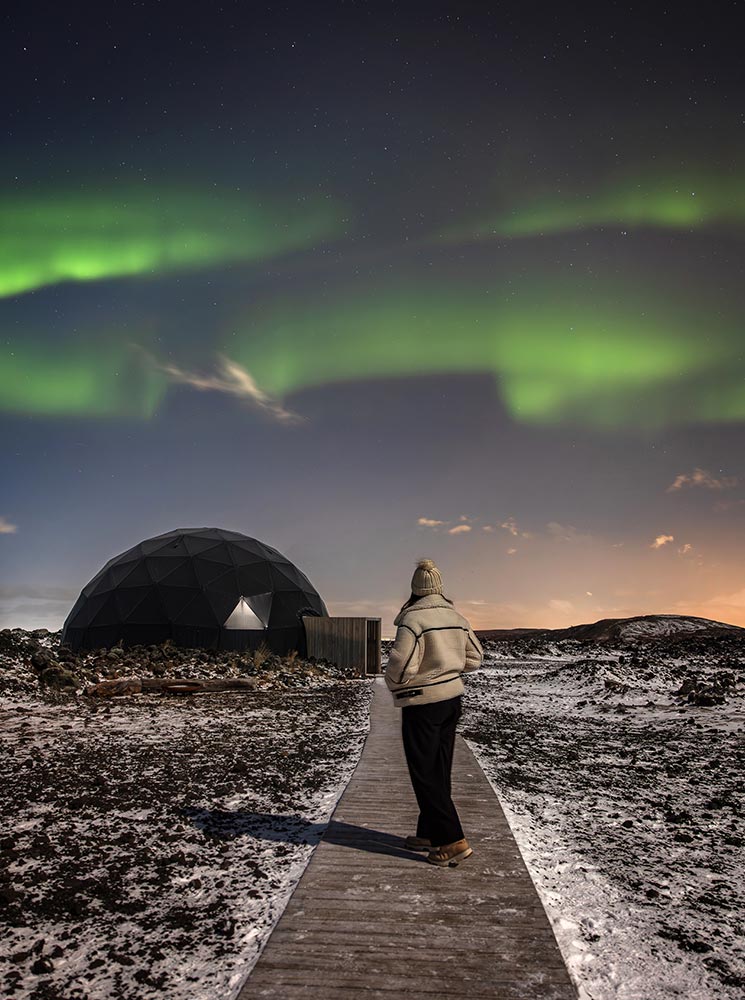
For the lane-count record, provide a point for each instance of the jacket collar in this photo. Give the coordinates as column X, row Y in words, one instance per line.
column 428, row 601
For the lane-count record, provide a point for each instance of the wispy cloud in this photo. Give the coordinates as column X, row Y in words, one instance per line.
column 458, row 529
column 36, row 592
column 727, row 607
column 230, row 378
column 511, row 552
column 556, row 604
column 685, row 549
column 6, row 528
column 661, row 540
column 728, row 504
column 700, row 477
column 735, row 600
column 510, row 525
column 28, row 605
column 566, row 532
column 466, row 523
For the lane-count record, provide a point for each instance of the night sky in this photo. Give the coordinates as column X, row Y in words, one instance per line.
column 371, row 282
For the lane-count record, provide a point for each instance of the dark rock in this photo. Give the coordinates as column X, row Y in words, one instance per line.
column 677, row 817
column 57, row 677
column 41, row 659
column 8, row 895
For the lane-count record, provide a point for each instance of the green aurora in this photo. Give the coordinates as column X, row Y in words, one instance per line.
column 690, row 199
column 605, row 356
column 101, row 378
column 560, row 356
column 78, row 236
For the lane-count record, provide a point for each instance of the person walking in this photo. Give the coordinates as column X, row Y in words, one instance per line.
column 434, row 645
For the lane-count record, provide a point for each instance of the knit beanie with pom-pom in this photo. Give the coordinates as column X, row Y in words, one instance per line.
column 426, row 579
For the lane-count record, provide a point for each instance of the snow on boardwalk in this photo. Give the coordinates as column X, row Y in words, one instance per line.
column 371, row 919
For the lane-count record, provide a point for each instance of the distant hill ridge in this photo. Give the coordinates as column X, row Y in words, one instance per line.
column 639, row 627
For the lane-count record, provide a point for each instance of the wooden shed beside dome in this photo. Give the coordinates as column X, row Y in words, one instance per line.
column 351, row 643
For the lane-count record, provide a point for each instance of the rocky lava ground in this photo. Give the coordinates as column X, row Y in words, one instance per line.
column 149, row 843
column 621, row 773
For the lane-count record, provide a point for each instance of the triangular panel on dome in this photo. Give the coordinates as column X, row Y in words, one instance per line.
column 225, row 583
column 246, row 555
column 282, row 581
column 90, row 587
column 222, row 602
column 255, row 579
column 214, row 574
column 107, row 612
column 159, row 568
column 231, row 536
column 181, row 575
column 197, row 611
column 175, row 599
column 137, row 575
column 197, row 544
column 105, row 583
column 119, row 571
column 84, row 613
column 175, row 549
column 243, row 616
column 219, row 554
column 128, row 598
column 150, row 610
column 153, row 545
column 262, row 605
column 302, row 581
column 285, row 566
column 283, row 611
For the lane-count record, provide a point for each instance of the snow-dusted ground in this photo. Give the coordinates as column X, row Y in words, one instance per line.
column 149, row 844
column 627, row 805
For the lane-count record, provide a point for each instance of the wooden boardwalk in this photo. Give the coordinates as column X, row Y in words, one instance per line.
column 371, row 919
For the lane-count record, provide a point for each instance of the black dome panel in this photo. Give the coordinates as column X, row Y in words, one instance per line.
column 184, row 585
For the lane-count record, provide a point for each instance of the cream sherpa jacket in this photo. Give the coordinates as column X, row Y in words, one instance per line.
column 434, row 645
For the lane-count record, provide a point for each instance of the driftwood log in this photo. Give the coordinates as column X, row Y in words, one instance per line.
column 171, row 685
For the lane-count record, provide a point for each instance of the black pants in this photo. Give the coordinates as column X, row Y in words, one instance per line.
column 428, row 733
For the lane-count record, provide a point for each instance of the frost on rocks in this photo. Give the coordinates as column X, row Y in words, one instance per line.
column 621, row 777
column 150, row 843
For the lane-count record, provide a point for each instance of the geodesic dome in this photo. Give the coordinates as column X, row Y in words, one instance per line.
column 201, row 587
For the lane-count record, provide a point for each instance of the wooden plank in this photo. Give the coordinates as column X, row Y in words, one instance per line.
column 461, row 982
column 457, row 921
column 400, row 986
column 510, row 948
column 363, row 918
column 505, row 991
column 417, row 949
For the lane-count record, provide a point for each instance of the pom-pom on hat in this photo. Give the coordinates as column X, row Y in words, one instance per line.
column 426, row 579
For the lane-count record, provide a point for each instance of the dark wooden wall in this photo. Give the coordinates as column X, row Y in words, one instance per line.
column 352, row 643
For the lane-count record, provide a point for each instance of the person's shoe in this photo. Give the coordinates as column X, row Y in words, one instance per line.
column 450, row 855
column 418, row 844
